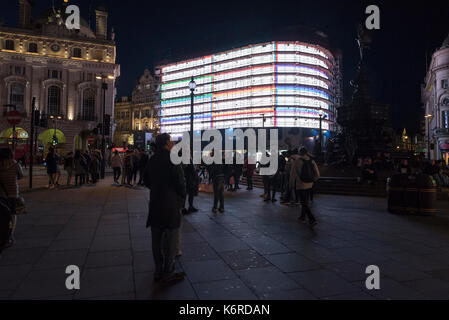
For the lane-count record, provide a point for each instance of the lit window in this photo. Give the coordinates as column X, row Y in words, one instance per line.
column 54, row 100
column 89, row 105
column 445, row 119
column 16, row 96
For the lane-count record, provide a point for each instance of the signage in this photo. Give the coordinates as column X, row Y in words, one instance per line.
column 14, row 117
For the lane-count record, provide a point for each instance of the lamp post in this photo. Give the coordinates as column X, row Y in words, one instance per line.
column 104, row 87
column 192, row 86
column 263, row 120
column 55, row 138
column 428, row 117
column 322, row 117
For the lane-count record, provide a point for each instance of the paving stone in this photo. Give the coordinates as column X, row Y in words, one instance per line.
column 141, row 244
column 28, row 243
column 181, row 290
column 112, row 230
column 244, row 259
column 263, row 280
column 70, row 244
column 431, row 288
column 11, row 277
column 197, row 252
column 108, row 258
column 233, row 289
column 76, row 233
column 110, row 243
column 208, row 270
column 105, row 281
column 43, row 283
column 297, row 294
column 228, row 243
column 15, row 256
column 349, row 270
column 291, row 262
column 360, row 255
column 143, row 261
column 392, row 290
column 265, row 245
column 323, row 283
column 61, row 259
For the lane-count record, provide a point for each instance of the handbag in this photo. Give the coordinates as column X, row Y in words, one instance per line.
column 16, row 205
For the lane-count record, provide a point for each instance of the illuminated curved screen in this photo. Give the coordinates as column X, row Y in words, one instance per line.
column 275, row 84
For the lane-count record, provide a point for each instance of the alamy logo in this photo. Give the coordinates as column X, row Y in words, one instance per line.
column 373, row 280
column 73, row 20
column 373, row 21
column 213, row 153
column 73, row 280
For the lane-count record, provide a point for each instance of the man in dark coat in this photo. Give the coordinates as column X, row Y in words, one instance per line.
column 167, row 193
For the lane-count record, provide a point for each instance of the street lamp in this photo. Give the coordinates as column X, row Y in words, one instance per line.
column 322, row 117
column 192, row 86
column 428, row 117
column 55, row 141
column 104, row 87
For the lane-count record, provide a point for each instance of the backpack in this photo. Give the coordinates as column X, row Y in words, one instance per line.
column 308, row 173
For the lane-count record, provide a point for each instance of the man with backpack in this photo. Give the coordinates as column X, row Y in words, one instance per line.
column 304, row 172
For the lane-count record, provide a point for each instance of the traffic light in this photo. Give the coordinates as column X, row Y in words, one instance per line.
column 107, row 124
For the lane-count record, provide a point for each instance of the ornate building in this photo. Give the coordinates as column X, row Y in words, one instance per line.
column 64, row 70
column 435, row 97
column 138, row 114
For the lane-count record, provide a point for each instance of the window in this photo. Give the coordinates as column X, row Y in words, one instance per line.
column 77, row 52
column 89, row 105
column 89, row 77
column 444, row 84
column 127, row 114
column 445, row 119
column 54, row 100
column 136, row 114
column 16, row 96
column 54, row 74
column 9, row 45
column 17, row 70
column 32, row 47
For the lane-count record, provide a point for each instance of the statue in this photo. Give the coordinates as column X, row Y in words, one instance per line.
column 363, row 40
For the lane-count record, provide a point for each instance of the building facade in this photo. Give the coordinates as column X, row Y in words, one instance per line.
column 277, row 84
column 64, row 70
column 435, row 97
column 137, row 115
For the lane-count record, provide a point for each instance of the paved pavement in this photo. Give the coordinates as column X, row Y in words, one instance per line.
column 254, row 250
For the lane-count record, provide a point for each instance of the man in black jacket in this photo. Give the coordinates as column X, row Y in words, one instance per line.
column 167, row 193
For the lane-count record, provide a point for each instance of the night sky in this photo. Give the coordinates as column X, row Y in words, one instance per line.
column 149, row 31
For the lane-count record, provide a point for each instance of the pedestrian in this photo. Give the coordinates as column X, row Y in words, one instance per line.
column 94, row 167
column 51, row 167
column 116, row 164
column 68, row 166
column 135, row 158
column 248, row 171
column 304, row 173
column 128, row 165
column 217, row 174
column 79, row 164
column 10, row 200
column 87, row 160
column 142, row 165
column 192, row 184
column 167, row 191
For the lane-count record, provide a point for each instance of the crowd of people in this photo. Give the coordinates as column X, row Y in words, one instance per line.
column 172, row 185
